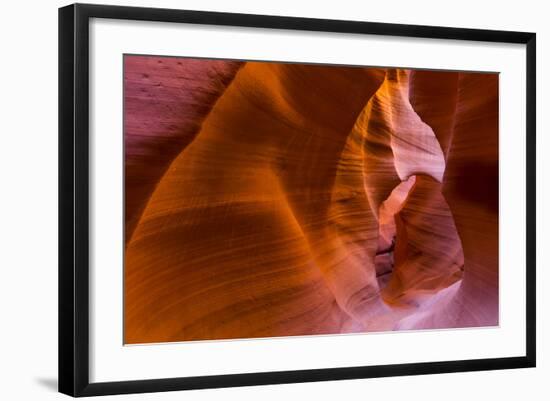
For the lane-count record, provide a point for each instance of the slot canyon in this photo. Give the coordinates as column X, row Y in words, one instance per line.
column 267, row 199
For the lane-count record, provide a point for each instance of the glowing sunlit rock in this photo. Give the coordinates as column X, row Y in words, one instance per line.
column 267, row 199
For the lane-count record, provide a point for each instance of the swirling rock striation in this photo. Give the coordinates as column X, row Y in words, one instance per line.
column 272, row 199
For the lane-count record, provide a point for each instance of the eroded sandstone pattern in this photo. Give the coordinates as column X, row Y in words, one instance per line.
column 272, row 199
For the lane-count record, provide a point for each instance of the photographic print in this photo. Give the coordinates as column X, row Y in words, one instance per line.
column 273, row 199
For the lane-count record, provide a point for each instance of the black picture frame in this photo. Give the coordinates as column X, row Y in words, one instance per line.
column 74, row 191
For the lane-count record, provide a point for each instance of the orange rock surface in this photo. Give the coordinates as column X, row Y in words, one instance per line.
column 273, row 199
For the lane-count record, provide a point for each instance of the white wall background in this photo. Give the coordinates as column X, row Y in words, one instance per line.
column 28, row 199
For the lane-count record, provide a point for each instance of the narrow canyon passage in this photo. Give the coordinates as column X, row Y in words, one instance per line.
column 289, row 199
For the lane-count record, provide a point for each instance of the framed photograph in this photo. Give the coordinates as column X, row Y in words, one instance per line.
column 250, row 199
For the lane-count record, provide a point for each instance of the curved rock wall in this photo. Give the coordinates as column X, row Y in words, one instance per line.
column 272, row 199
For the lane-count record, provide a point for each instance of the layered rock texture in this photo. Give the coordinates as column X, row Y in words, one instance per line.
column 272, row 199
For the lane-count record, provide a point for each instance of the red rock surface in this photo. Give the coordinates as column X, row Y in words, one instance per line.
column 165, row 101
column 267, row 199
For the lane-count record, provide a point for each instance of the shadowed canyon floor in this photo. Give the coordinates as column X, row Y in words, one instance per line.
column 272, row 199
